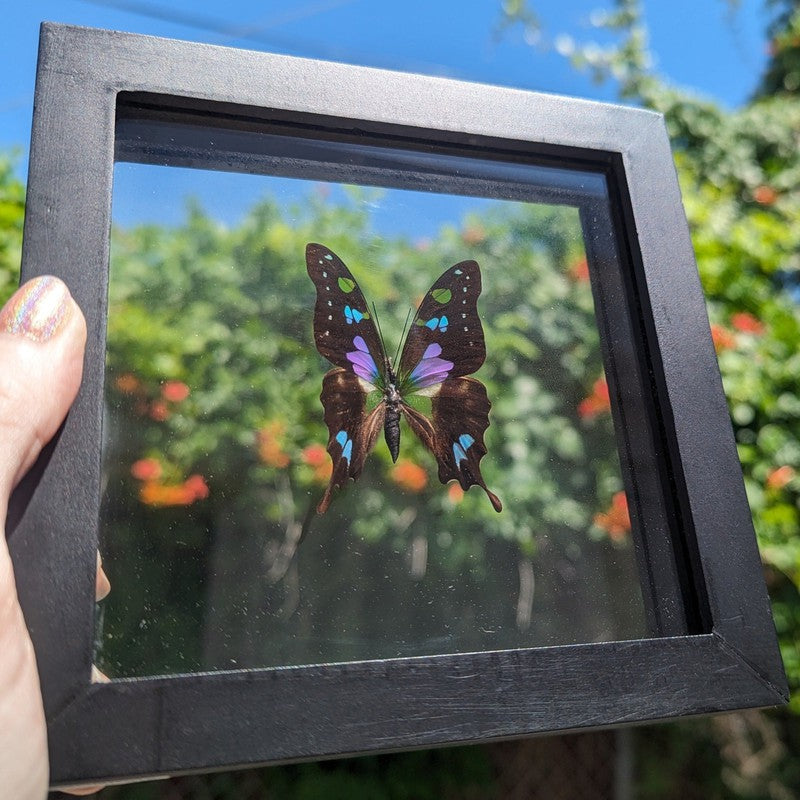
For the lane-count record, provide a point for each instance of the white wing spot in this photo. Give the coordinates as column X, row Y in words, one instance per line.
column 324, row 274
column 464, row 289
column 330, row 317
column 466, row 328
column 330, row 303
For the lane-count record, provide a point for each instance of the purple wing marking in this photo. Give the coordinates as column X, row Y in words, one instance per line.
column 431, row 369
column 363, row 363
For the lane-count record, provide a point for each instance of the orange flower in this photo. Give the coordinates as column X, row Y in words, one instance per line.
column 455, row 493
column 615, row 521
column 159, row 411
column 598, row 402
column 723, row 339
column 316, row 456
column 127, row 383
column 747, row 323
column 779, row 477
column 269, row 444
column 174, row 391
column 146, row 469
column 579, row 270
column 473, row 235
column 161, row 495
column 765, row 195
column 409, row 475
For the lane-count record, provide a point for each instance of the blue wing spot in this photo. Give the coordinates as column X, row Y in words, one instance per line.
column 459, row 453
column 466, row 441
column 437, row 322
column 352, row 315
column 458, row 272
column 328, row 257
column 346, row 444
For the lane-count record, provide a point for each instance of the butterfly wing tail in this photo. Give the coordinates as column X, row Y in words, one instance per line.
column 455, row 436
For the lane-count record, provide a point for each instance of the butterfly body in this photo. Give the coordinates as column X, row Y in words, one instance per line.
column 444, row 345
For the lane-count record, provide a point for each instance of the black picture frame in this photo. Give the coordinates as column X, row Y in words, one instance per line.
column 104, row 95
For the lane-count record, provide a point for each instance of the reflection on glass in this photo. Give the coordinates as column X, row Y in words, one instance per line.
column 215, row 445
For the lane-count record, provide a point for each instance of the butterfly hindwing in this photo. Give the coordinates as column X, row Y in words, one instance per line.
column 445, row 339
column 352, row 431
column 344, row 330
column 460, row 410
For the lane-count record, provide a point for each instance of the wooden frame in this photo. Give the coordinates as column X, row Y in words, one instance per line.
column 102, row 95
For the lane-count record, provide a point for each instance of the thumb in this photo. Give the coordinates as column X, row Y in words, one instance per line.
column 42, row 336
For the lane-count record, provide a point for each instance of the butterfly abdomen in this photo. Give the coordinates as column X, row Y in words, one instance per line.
column 391, row 425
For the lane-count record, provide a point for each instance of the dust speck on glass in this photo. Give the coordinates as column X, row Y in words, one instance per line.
column 217, row 453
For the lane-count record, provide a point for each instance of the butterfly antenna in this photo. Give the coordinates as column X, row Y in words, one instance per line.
column 378, row 326
column 402, row 336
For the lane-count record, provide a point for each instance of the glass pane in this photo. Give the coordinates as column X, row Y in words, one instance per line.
column 215, row 443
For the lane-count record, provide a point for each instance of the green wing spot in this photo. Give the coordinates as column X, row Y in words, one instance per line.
column 346, row 285
column 365, row 315
column 419, row 322
column 440, row 295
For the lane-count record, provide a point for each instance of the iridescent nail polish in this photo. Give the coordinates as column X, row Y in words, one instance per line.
column 38, row 310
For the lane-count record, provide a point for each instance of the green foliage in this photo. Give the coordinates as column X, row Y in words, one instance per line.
column 740, row 176
column 12, row 212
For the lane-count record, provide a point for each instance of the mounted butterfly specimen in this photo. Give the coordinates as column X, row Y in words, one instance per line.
column 444, row 344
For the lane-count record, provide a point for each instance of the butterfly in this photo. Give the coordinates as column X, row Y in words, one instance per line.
column 444, row 344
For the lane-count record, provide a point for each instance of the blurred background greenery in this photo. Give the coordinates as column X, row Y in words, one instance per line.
column 739, row 175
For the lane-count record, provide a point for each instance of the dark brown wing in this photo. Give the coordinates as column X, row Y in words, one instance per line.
column 460, row 412
column 352, row 430
column 344, row 330
column 446, row 337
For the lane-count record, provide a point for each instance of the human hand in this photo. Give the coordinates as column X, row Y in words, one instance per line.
column 42, row 338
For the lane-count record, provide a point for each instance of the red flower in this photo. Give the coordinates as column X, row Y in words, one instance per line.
column 579, row 270
column 197, row 486
column 747, row 323
column 779, row 477
column 765, row 195
column 409, row 475
column 159, row 411
column 174, row 391
column 723, row 339
column 455, row 493
column 316, row 456
column 598, row 402
column 615, row 521
column 146, row 469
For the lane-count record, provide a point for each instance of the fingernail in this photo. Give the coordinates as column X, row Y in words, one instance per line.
column 38, row 310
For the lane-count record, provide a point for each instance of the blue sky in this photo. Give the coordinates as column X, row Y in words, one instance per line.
column 716, row 47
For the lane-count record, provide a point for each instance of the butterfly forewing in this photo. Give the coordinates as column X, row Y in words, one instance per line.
column 445, row 339
column 344, row 330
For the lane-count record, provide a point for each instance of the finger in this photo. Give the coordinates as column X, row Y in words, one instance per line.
column 42, row 336
column 102, row 584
